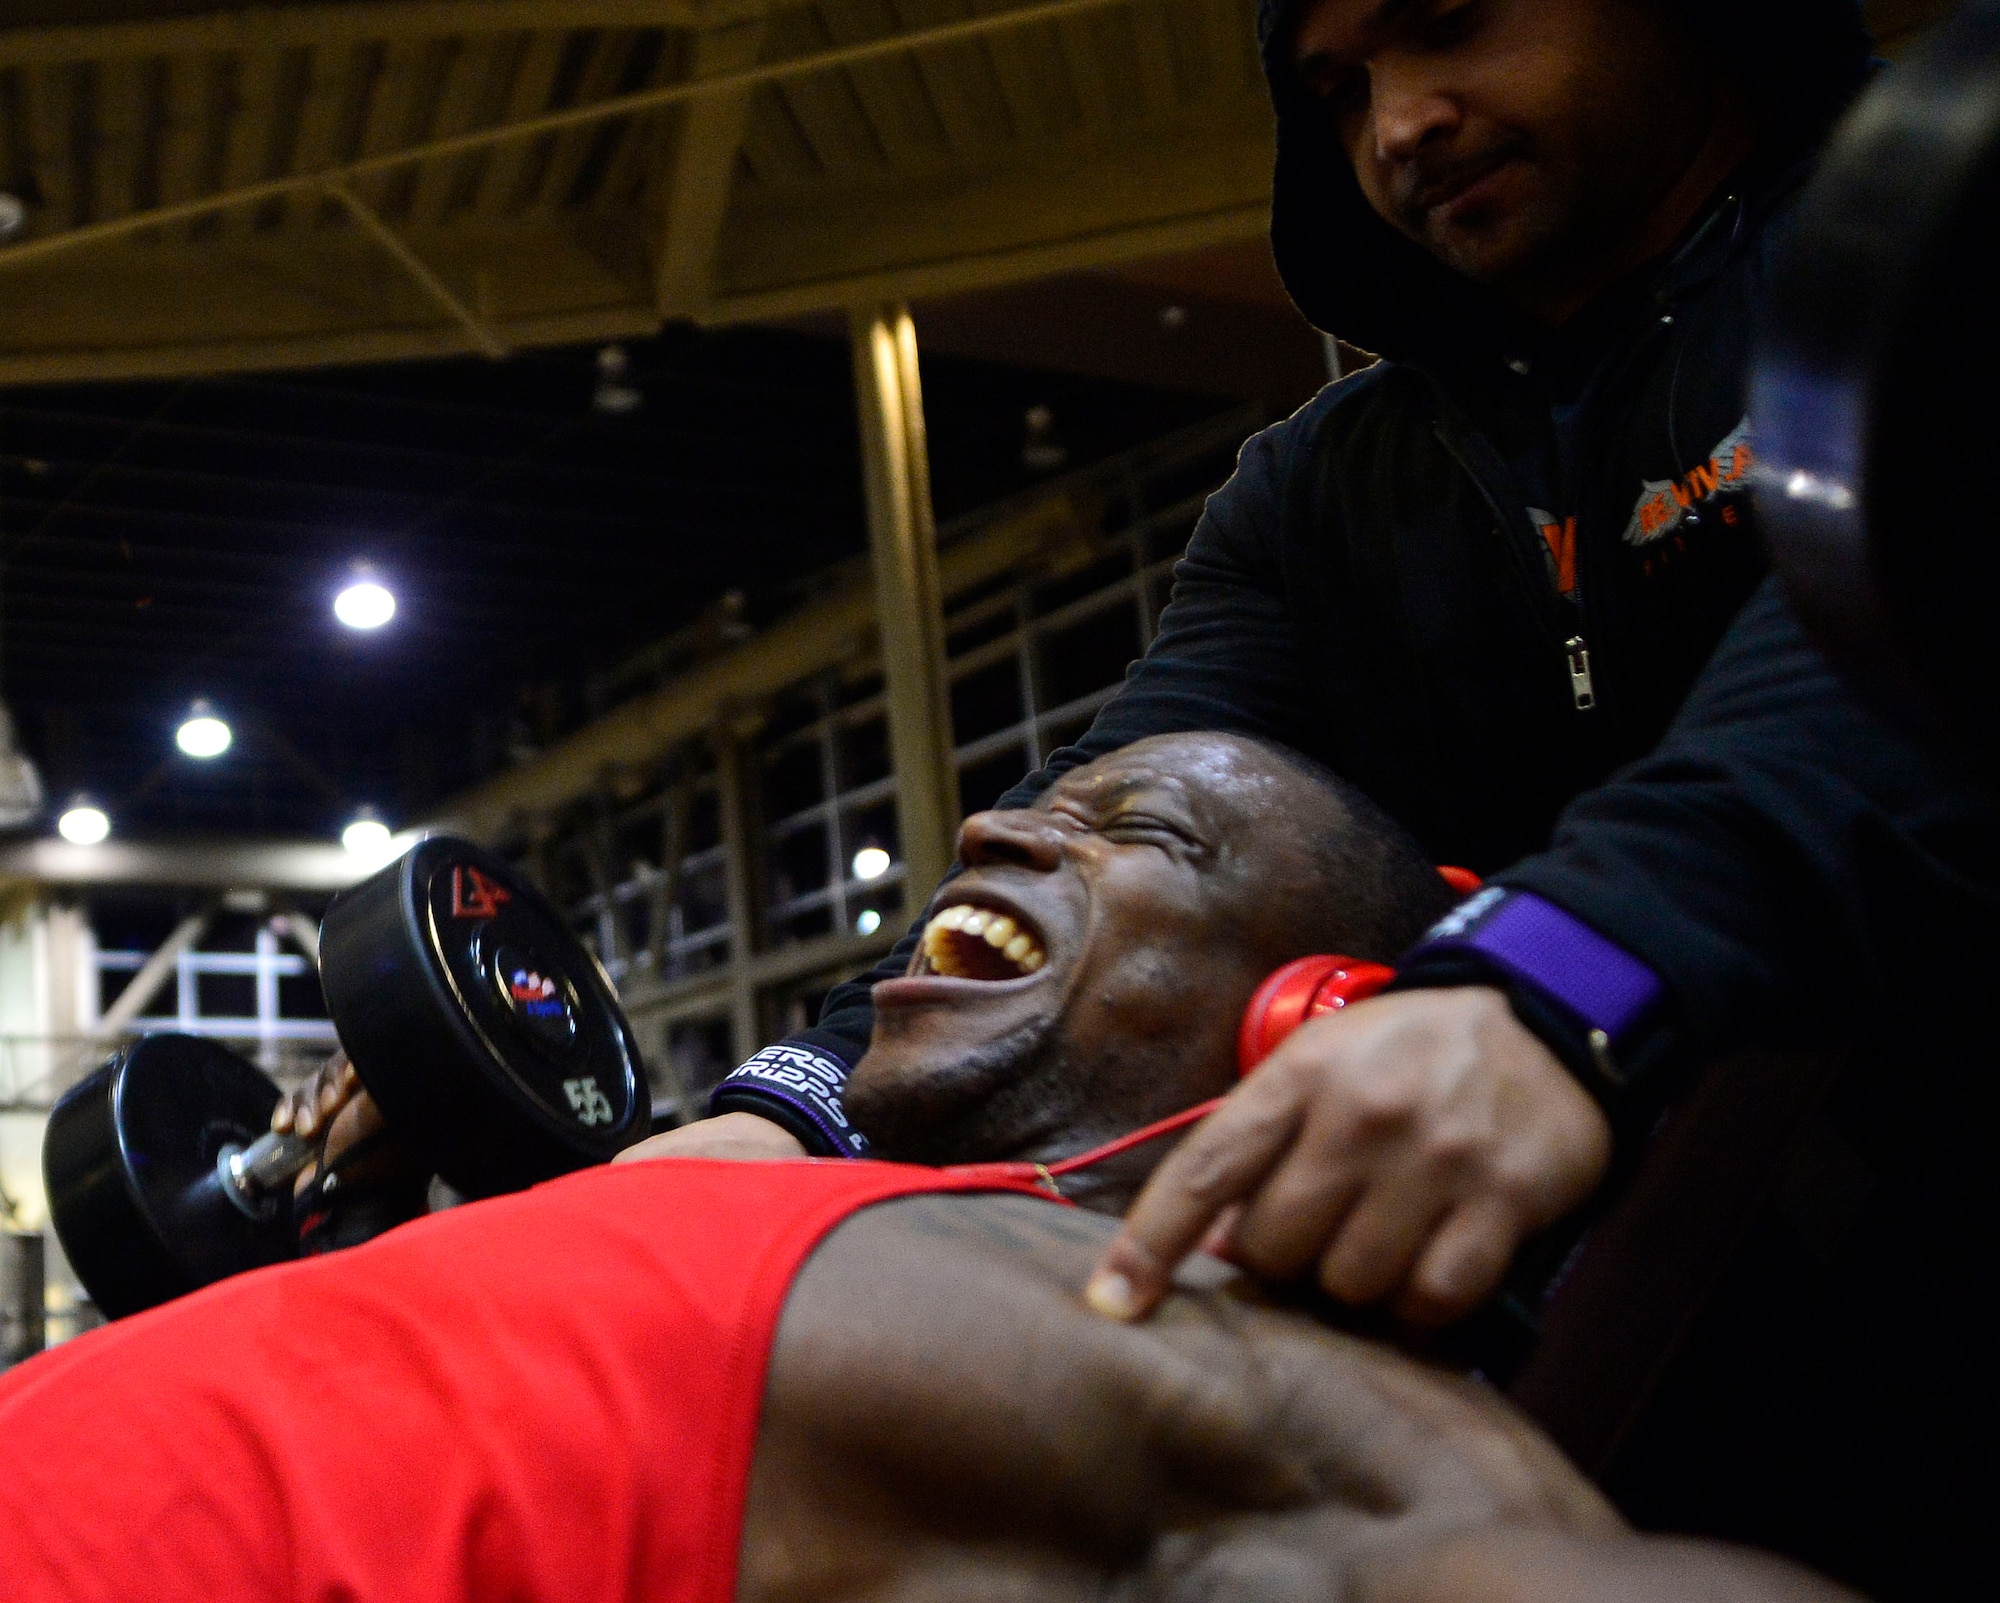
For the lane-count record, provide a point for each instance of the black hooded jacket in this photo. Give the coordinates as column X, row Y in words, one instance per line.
column 1380, row 584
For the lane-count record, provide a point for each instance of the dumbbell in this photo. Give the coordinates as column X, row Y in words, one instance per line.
column 481, row 1026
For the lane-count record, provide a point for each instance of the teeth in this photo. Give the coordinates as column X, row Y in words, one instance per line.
column 974, row 943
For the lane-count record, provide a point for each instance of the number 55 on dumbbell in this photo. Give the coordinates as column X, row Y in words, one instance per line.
column 485, row 1032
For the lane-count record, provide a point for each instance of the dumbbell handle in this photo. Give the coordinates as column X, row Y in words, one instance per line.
column 250, row 1175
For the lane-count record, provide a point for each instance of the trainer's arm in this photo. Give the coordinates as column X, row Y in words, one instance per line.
column 1787, row 870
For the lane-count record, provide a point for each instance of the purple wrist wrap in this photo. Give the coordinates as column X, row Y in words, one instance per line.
column 804, row 1079
column 1536, row 942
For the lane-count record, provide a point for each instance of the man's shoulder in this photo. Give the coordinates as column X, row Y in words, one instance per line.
column 1271, row 457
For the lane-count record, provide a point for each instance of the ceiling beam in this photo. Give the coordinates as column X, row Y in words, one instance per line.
column 701, row 174
column 1088, row 208
column 813, row 62
column 252, row 27
column 221, row 865
column 986, row 269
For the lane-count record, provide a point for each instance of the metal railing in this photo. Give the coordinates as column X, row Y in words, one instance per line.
column 281, row 1039
column 1031, row 658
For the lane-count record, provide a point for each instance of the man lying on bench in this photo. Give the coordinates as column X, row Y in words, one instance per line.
column 1083, row 978
column 700, row 1380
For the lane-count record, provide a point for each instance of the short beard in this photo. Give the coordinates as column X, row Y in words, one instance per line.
column 994, row 1103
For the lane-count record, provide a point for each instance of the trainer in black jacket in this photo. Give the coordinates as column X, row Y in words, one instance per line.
column 1481, row 576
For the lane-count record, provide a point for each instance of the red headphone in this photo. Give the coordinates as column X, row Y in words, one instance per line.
column 1297, row 992
column 1311, row 986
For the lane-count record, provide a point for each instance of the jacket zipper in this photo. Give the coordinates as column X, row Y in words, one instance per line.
column 1575, row 649
column 1582, row 689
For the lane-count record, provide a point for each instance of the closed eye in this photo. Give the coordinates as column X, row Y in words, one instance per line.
column 1143, row 829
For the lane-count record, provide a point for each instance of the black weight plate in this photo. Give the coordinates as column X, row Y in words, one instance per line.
column 129, row 1160
column 1876, row 411
column 478, row 1021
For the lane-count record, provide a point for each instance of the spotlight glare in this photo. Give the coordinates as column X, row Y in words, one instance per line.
column 83, row 825
column 871, row 862
column 203, row 734
column 364, row 605
column 367, row 836
column 868, row 923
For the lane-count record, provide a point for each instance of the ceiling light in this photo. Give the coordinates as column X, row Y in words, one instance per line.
column 871, row 862
column 364, row 605
column 1041, row 451
column 868, row 923
column 367, row 836
column 82, row 824
column 613, row 394
column 202, row 734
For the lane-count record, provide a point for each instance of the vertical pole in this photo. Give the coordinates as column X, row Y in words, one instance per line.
column 22, row 1271
column 902, row 542
column 739, row 888
column 267, row 999
column 836, row 829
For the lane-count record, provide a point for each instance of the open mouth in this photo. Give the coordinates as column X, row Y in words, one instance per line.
column 964, row 942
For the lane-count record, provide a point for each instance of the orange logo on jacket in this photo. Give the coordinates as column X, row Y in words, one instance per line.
column 1666, row 504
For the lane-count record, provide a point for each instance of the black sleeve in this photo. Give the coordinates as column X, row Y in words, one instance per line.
column 1786, row 861
column 1226, row 657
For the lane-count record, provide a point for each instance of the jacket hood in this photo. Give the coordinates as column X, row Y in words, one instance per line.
column 1352, row 274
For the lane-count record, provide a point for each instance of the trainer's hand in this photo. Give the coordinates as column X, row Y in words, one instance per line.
column 1405, row 1147
column 740, row 1137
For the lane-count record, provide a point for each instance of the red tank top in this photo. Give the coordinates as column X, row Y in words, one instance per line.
column 547, row 1396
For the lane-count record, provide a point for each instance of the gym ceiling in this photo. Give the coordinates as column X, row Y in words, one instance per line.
column 217, row 199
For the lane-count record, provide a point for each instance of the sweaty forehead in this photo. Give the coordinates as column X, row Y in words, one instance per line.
column 1218, row 779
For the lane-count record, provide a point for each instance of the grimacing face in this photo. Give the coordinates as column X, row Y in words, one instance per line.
column 1508, row 137
column 1143, row 900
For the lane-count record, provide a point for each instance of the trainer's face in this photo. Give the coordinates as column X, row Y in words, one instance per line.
column 1506, row 135
column 1085, row 975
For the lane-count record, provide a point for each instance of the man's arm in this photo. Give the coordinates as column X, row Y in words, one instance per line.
column 1541, row 1566
column 942, row 1418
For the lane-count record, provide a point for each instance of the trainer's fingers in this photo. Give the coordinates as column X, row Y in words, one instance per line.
column 1462, row 1266
column 1298, row 1209
column 1381, row 1240
column 1219, row 1242
column 1221, row 1162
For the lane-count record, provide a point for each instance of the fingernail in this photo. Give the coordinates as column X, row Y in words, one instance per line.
column 1111, row 1295
column 306, row 1121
